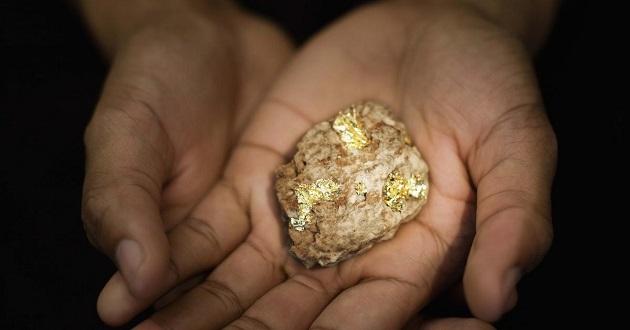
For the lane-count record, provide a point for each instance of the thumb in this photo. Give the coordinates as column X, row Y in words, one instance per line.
column 128, row 160
column 512, row 168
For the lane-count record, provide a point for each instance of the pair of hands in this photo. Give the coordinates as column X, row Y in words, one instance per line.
column 200, row 107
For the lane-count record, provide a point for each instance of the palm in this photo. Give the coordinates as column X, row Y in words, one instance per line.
column 450, row 84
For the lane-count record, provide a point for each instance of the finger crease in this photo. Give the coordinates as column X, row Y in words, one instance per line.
column 228, row 184
column 494, row 214
column 504, row 117
column 205, row 230
column 310, row 283
column 266, row 256
column 249, row 322
column 224, row 294
column 262, row 147
column 174, row 269
column 496, row 165
column 290, row 107
column 424, row 287
column 151, row 180
column 515, row 193
column 145, row 106
column 443, row 243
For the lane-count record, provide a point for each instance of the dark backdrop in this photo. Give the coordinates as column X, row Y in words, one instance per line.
column 51, row 76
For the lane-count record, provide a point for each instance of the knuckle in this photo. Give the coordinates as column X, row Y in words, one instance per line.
column 105, row 193
column 271, row 257
column 204, row 230
column 126, row 125
column 524, row 117
column 127, row 106
column 224, row 295
column 311, row 283
column 123, row 102
column 93, row 210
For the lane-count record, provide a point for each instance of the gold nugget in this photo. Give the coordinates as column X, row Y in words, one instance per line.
column 372, row 179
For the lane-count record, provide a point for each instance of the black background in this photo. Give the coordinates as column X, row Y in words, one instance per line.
column 51, row 77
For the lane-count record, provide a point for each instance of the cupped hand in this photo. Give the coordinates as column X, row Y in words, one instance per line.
column 467, row 92
column 180, row 89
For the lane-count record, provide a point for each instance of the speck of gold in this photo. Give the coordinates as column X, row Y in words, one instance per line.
column 360, row 188
column 405, row 137
column 395, row 191
column 350, row 129
column 418, row 186
column 398, row 189
column 310, row 194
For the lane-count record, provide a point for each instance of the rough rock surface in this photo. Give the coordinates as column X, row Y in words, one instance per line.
column 352, row 182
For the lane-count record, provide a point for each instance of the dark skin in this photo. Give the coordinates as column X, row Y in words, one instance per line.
column 458, row 76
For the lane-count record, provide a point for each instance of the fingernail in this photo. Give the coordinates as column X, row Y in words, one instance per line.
column 129, row 256
column 512, row 277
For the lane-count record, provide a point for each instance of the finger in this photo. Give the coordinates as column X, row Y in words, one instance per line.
column 128, row 158
column 374, row 304
column 236, row 283
column 397, row 278
column 216, row 226
column 422, row 321
column 295, row 303
column 513, row 170
column 454, row 323
column 402, row 274
column 179, row 290
column 249, row 271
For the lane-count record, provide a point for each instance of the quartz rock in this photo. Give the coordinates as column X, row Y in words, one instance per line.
column 352, row 182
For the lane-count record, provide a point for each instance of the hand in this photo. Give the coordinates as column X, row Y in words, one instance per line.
column 465, row 87
column 179, row 91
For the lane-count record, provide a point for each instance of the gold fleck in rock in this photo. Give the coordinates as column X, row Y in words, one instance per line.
column 298, row 224
column 406, row 138
column 418, row 186
column 310, row 194
column 395, row 191
column 348, row 126
column 398, row 188
column 360, row 188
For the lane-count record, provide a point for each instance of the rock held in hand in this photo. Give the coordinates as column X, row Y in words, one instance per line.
column 352, row 182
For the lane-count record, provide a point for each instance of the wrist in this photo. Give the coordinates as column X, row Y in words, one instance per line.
column 112, row 23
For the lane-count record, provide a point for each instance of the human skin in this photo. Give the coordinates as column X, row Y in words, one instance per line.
column 184, row 78
column 459, row 75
